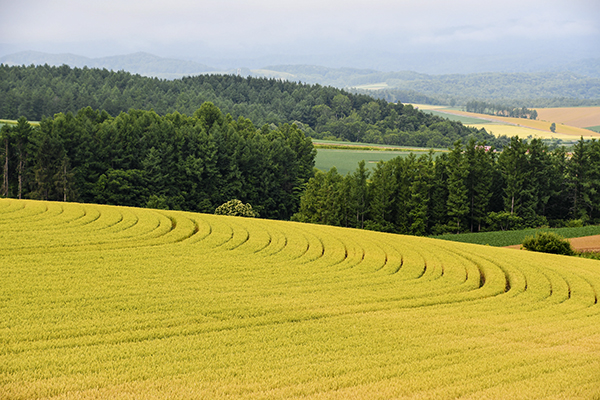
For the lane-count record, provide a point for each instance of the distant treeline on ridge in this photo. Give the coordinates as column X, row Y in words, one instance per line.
column 320, row 112
column 483, row 107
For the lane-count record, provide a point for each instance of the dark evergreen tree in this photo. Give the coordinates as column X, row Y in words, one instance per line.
column 577, row 180
column 478, row 181
column 359, row 195
column 457, row 203
column 381, row 189
column 517, row 191
column 421, row 195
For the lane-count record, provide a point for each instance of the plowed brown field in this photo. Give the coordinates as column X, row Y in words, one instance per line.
column 587, row 243
column 580, row 117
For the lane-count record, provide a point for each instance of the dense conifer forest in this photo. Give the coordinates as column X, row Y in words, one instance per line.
column 142, row 159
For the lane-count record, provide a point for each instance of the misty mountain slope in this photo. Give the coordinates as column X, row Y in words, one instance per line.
column 137, row 63
column 579, row 80
column 460, row 87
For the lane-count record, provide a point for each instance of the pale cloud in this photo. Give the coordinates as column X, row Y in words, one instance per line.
column 308, row 26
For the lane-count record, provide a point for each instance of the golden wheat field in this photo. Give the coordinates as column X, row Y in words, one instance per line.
column 541, row 127
column 570, row 122
column 497, row 129
column 124, row 303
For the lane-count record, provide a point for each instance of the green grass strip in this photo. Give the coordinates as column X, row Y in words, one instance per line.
column 594, row 128
column 508, row 238
column 14, row 122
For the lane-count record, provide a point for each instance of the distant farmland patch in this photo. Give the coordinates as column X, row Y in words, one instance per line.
column 372, row 86
column 498, row 129
column 533, row 124
column 347, row 157
column 594, row 128
column 347, row 160
column 580, row 117
column 460, row 118
column 523, row 127
column 14, row 122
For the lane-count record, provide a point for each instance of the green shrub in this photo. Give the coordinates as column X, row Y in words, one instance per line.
column 548, row 242
column 574, row 223
column 157, row 202
column 236, row 208
column 589, row 254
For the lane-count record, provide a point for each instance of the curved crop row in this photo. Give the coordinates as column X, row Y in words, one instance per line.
column 116, row 302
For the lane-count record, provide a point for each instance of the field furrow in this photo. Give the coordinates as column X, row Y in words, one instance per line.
column 113, row 302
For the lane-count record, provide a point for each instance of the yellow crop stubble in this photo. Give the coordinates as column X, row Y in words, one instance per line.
column 524, row 127
column 112, row 302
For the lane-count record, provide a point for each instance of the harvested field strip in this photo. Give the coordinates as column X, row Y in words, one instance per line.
column 530, row 123
column 566, row 127
column 523, row 132
column 580, row 117
column 114, row 302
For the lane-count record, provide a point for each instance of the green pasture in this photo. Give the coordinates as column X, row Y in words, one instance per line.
column 14, row 122
column 594, row 128
column 372, row 86
column 346, row 160
column 373, row 146
column 509, row 238
column 7, row 122
column 452, row 117
column 124, row 303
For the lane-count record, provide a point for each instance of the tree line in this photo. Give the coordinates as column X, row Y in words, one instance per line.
column 320, row 112
column 142, row 159
column 483, row 107
column 198, row 163
column 470, row 189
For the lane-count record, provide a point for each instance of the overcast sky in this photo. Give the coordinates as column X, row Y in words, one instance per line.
column 203, row 30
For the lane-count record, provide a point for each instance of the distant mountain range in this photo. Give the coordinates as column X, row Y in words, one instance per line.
column 574, row 79
column 137, row 63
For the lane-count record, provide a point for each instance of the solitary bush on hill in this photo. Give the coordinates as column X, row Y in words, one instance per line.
column 548, row 242
column 236, row 208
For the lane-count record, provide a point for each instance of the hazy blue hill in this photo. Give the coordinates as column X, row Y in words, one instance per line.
column 588, row 67
column 575, row 80
column 342, row 77
column 505, row 85
column 39, row 58
column 137, row 63
column 462, row 87
column 317, row 70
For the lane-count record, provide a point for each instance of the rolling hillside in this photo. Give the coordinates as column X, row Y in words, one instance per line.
column 116, row 302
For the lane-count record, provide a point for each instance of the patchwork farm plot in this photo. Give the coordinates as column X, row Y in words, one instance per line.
column 571, row 122
column 114, row 302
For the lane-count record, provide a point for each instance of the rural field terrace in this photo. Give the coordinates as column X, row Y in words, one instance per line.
column 115, row 302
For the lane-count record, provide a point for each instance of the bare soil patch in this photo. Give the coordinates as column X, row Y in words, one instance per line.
column 586, row 243
column 581, row 117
